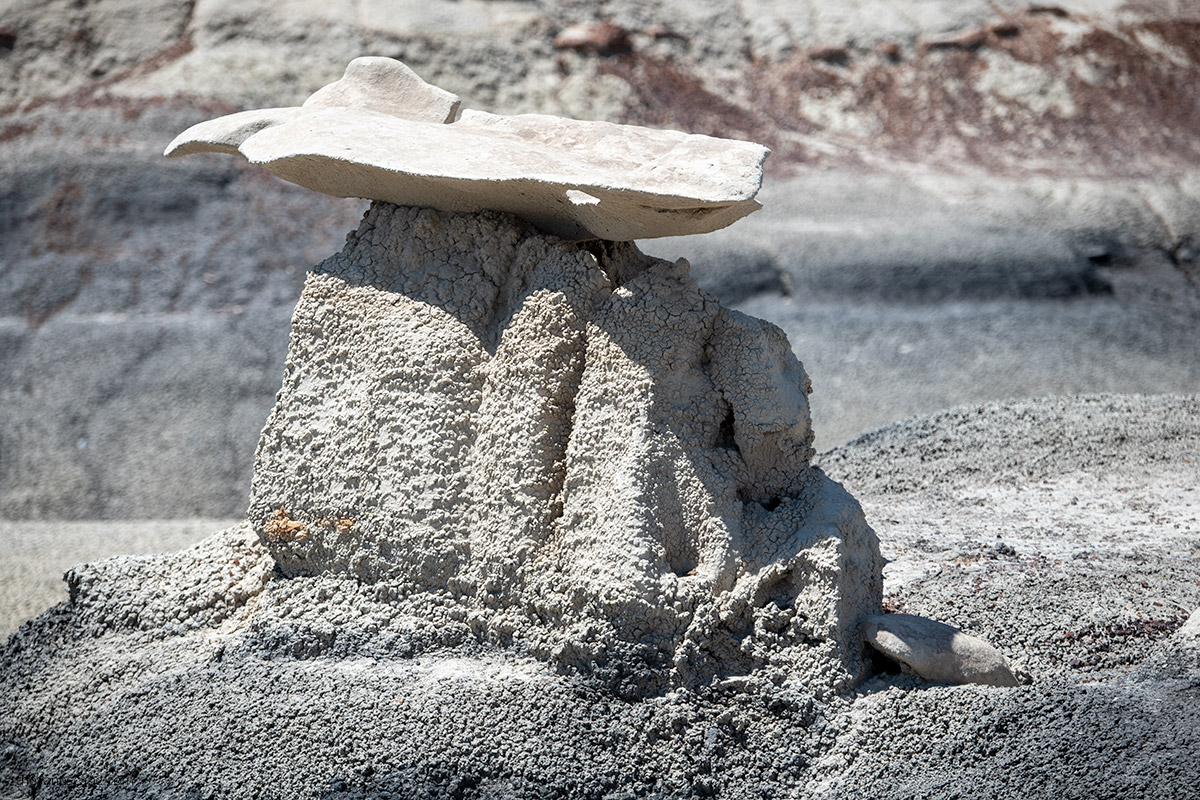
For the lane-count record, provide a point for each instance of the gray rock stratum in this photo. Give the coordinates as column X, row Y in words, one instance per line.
column 960, row 191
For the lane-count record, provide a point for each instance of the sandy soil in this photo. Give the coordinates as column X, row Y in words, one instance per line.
column 36, row 553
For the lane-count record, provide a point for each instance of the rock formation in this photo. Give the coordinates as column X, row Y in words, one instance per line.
column 573, row 438
column 575, row 445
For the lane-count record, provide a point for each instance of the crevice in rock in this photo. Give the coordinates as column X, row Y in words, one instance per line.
column 725, row 433
column 8, row 40
column 620, row 261
column 569, row 409
column 771, row 503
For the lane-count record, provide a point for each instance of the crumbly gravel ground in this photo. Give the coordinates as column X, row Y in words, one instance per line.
column 1063, row 530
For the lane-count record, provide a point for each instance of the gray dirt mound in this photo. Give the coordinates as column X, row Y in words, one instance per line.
column 1102, row 435
column 1090, row 502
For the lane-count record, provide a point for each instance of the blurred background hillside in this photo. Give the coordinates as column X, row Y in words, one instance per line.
column 966, row 201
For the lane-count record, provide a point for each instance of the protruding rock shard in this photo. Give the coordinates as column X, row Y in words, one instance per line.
column 384, row 134
column 936, row 651
column 389, row 87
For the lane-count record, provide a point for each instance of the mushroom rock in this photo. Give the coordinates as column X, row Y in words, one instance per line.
column 563, row 445
column 382, row 133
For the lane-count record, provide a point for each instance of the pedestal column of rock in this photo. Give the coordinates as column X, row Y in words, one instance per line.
column 564, row 439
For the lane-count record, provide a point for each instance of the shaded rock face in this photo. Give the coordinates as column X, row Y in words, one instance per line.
column 575, row 449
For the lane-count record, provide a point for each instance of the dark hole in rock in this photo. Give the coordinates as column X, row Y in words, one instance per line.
column 879, row 664
column 838, row 56
column 1054, row 11
column 725, row 437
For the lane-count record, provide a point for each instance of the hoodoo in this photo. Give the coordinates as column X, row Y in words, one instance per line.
column 563, row 445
